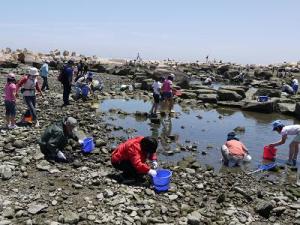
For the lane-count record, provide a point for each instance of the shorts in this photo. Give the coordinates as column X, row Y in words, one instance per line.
column 10, row 108
column 167, row 95
column 297, row 138
column 156, row 98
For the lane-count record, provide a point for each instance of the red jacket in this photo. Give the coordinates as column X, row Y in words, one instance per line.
column 131, row 150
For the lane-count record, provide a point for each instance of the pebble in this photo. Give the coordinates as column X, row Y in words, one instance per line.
column 173, row 197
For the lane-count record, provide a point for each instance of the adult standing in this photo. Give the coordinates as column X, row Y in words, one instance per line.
column 29, row 85
column 66, row 80
column 44, row 72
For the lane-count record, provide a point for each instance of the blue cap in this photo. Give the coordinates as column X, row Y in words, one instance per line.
column 276, row 124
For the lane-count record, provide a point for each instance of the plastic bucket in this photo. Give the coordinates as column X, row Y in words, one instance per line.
column 85, row 91
column 263, row 98
column 161, row 181
column 88, row 145
column 269, row 153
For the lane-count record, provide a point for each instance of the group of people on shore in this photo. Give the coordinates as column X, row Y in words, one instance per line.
column 131, row 156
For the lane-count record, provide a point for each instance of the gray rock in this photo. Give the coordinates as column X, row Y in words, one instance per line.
column 227, row 95
column 19, row 144
column 34, row 208
column 43, row 165
column 286, row 108
column 6, row 172
column 264, row 208
column 173, row 197
column 194, row 218
column 279, row 210
column 263, row 107
column 268, row 92
column 208, row 98
column 70, row 217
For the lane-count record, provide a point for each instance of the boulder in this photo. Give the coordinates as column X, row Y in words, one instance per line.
column 263, row 107
column 147, row 84
column 286, row 108
column 208, row 98
column 263, row 75
column 205, row 91
column 188, row 95
column 231, row 74
column 70, row 217
column 238, row 89
column 264, row 208
column 268, row 92
column 226, row 95
column 222, row 69
column 184, row 83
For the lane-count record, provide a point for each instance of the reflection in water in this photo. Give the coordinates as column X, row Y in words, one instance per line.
column 209, row 130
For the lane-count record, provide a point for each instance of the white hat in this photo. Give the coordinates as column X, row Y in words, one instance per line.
column 11, row 76
column 33, row 71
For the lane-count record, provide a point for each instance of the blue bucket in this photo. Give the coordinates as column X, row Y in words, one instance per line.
column 161, row 181
column 85, row 91
column 88, row 145
column 263, row 98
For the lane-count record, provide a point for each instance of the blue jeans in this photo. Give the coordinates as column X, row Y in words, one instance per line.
column 31, row 102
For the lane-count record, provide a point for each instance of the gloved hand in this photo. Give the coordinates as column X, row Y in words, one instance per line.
column 152, row 173
column 61, row 155
column 154, row 164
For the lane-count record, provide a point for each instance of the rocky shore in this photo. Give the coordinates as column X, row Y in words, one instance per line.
column 86, row 191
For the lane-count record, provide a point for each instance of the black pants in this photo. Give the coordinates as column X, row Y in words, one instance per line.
column 127, row 168
column 66, row 93
column 45, row 84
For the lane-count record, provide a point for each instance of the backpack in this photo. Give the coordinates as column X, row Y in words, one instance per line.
column 61, row 75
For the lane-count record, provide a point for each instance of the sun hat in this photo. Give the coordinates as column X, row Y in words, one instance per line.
column 276, row 124
column 33, row 71
column 11, row 76
column 71, row 121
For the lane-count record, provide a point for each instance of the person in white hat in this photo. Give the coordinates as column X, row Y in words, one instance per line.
column 29, row 85
column 10, row 101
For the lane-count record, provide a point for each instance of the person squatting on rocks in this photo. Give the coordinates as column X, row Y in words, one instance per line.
column 55, row 138
column 287, row 89
column 10, row 101
column 234, row 150
column 44, row 72
column 66, row 77
column 295, row 85
column 284, row 131
column 156, row 86
column 84, row 86
column 29, row 85
column 130, row 157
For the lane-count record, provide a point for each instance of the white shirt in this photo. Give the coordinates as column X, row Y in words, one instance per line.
column 156, row 87
column 295, row 81
column 290, row 130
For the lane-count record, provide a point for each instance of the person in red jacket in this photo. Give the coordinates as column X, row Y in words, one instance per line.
column 130, row 156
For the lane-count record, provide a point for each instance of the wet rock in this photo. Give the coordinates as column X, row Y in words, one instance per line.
column 208, row 98
column 263, row 107
column 6, row 172
column 268, row 92
column 264, row 208
column 221, row 198
column 279, row 210
column 286, row 108
column 240, row 129
column 19, row 144
column 70, row 217
column 34, row 208
column 100, row 143
column 43, row 165
column 194, row 218
column 227, row 95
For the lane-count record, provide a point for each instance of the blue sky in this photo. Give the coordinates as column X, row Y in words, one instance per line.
column 243, row 31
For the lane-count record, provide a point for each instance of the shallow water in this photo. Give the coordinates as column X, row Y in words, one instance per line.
column 208, row 133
